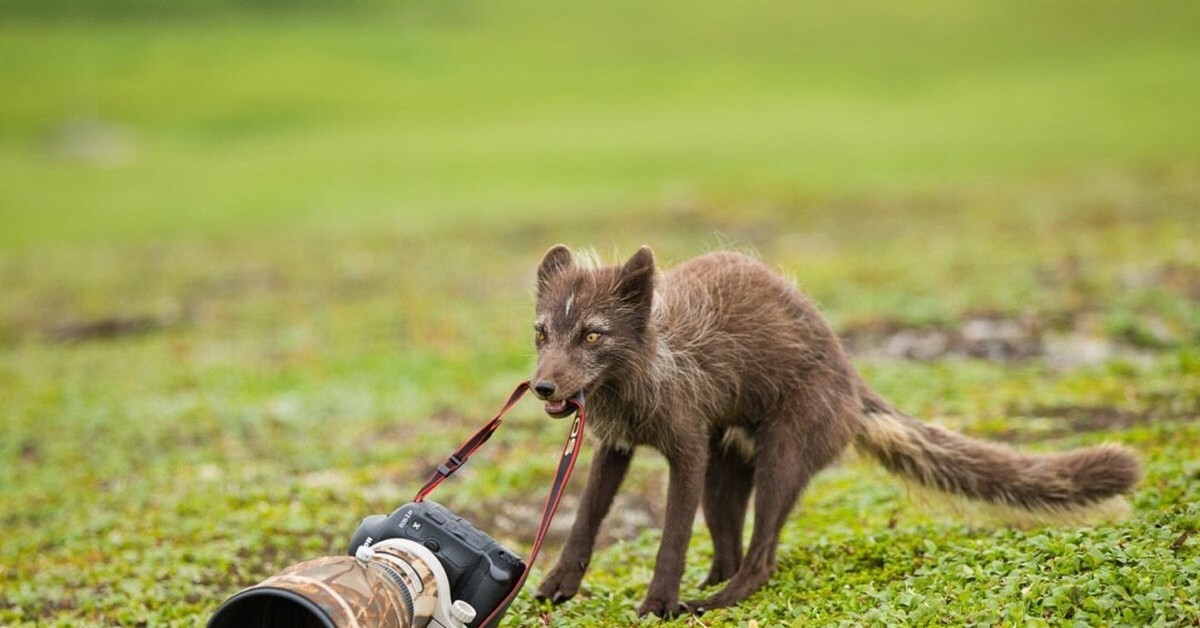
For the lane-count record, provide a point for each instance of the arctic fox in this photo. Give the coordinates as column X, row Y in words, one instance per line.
column 731, row 373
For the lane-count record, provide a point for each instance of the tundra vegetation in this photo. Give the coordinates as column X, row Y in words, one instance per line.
column 262, row 269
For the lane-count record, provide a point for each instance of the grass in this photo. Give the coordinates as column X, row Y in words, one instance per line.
column 297, row 273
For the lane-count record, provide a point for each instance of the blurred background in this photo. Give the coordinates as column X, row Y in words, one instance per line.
column 130, row 119
column 264, row 262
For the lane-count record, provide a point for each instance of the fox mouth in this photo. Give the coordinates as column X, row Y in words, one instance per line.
column 561, row 408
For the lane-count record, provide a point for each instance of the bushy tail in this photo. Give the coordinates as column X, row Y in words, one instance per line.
column 1075, row 486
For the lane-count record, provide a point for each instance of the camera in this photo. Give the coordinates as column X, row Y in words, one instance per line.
column 420, row 566
column 479, row 571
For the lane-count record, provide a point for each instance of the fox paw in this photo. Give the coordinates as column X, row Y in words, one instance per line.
column 699, row 607
column 560, row 585
column 663, row 607
column 717, row 576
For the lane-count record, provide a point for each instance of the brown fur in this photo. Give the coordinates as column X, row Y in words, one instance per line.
column 731, row 373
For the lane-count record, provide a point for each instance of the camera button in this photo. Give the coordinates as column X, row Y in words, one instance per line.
column 432, row 544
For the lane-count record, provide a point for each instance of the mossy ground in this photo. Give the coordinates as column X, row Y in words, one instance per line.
column 291, row 300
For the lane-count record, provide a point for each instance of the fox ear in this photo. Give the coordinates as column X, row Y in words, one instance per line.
column 636, row 282
column 557, row 259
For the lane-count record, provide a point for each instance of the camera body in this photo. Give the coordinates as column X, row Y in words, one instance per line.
column 479, row 571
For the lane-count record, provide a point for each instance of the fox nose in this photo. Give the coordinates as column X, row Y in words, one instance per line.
column 544, row 388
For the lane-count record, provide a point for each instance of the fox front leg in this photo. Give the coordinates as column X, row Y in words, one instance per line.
column 688, row 461
column 608, row 470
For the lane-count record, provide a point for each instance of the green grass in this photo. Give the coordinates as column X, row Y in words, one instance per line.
column 327, row 224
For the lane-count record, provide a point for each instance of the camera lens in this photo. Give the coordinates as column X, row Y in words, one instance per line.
column 271, row 607
column 393, row 588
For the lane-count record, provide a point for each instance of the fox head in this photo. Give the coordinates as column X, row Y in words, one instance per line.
column 591, row 323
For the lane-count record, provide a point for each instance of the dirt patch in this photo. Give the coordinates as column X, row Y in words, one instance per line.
column 632, row 512
column 1077, row 419
column 1180, row 278
column 993, row 338
column 88, row 141
column 1063, row 341
column 104, row 328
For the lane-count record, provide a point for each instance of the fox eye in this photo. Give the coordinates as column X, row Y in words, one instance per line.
column 539, row 336
column 592, row 337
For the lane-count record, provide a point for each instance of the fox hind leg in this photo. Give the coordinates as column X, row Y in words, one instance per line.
column 728, row 482
column 790, row 448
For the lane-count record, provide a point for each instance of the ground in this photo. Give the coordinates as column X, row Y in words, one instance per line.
column 262, row 273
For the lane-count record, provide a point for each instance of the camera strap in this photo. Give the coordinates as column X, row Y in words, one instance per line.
column 459, row 458
column 566, row 464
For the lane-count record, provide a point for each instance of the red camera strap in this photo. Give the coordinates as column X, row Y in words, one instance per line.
column 566, row 464
column 459, row 458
